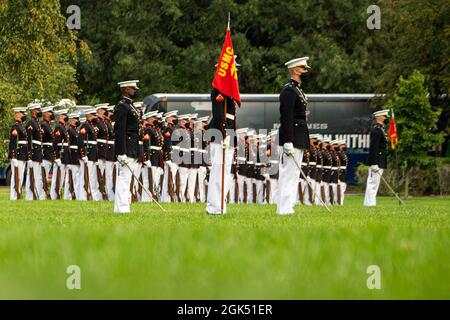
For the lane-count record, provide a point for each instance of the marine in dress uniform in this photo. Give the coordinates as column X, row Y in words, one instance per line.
column 293, row 134
column 260, row 149
column 221, row 122
column 326, row 170
column 335, row 164
column 273, row 154
column 34, row 187
column 170, row 168
column 59, row 168
column 101, row 129
column 192, row 181
column 126, row 144
column 343, row 162
column 202, row 149
column 250, row 161
column 47, row 147
column 182, row 155
column 18, row 152
column 71, row 159
column 110, row 163
column 377, row 157
column 241, row 160
column 87, row 146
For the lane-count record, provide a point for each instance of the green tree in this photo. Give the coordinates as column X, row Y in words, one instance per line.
column 416, row 123
column 38, row 57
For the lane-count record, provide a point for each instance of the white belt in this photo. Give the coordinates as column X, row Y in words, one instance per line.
column 184, row 150
column 194, row 149
column 343, row 168
column 155, row 148
column 92, row 142
column 319, row 166
column 60, row 144
column 141, row 143
column 102, row 141
column 240, row 159
column 22, row 142
column 202, row 151
column 230, row 116
column 36, row 142
column 65, row 144
column 111, row 142
column 49, row 144
column 258, row 164
column 249, row 162
column 304, row 164
column 327, row 167
column 274, row 161
column 175, row 148
column 74, row 147
column 312, row 163
column 334, row 168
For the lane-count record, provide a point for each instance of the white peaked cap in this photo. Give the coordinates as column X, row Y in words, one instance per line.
column 171, row 114
column 19, row 109
column 62, row 111
column 380, row 113
column 150, row 114
column 298, row 62
column 138, row 104
column 102, row 106
column 90, row 111
column 33, row 106
column 74, row 115
column 47, row 109
column 129, row 83
column 241, row 130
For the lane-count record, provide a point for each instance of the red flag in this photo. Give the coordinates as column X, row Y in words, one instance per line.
column 392, row 133
column 226, row 78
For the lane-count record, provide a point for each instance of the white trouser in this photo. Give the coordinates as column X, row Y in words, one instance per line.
column 137, row 172
column 232, row 188
column 37, row 181
column 93, row 182
column 124, row 173
column 201, row 183
column 165, row 197
column 273, row 191
column 214, row 204
column 373, row 183
column 20, row 171
column 109, row 179
column 249, row 185
column 335, row 194
column 343, row 188
column 47, row 165
column 53, row 192
column 146, row 196
column 289, row 175
column 157, row 172
column 260, row 191
column 326, row 187
column 241, row 181
column 191, row 184
column 183, row 172
column 318, row 193
column 74, row 171
column 305, row 189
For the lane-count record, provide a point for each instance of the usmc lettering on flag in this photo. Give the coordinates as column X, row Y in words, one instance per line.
column 227, row 60
column 226, row 77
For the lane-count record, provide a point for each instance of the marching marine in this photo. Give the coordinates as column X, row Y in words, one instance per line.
column 34, row 188
column 59, row 138
column 18, row 152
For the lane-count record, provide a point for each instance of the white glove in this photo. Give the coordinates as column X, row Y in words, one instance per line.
column 288, row 148
column 226, row 142
column 14, row 162
column 148, row 163
column 85, row 159
column 375, row 168
column 58, row 162
column 122, row 158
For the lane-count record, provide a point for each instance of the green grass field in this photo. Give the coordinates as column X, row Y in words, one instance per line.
column 248, row 254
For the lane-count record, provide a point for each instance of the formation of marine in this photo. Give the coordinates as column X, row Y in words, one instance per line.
column 68, row 152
